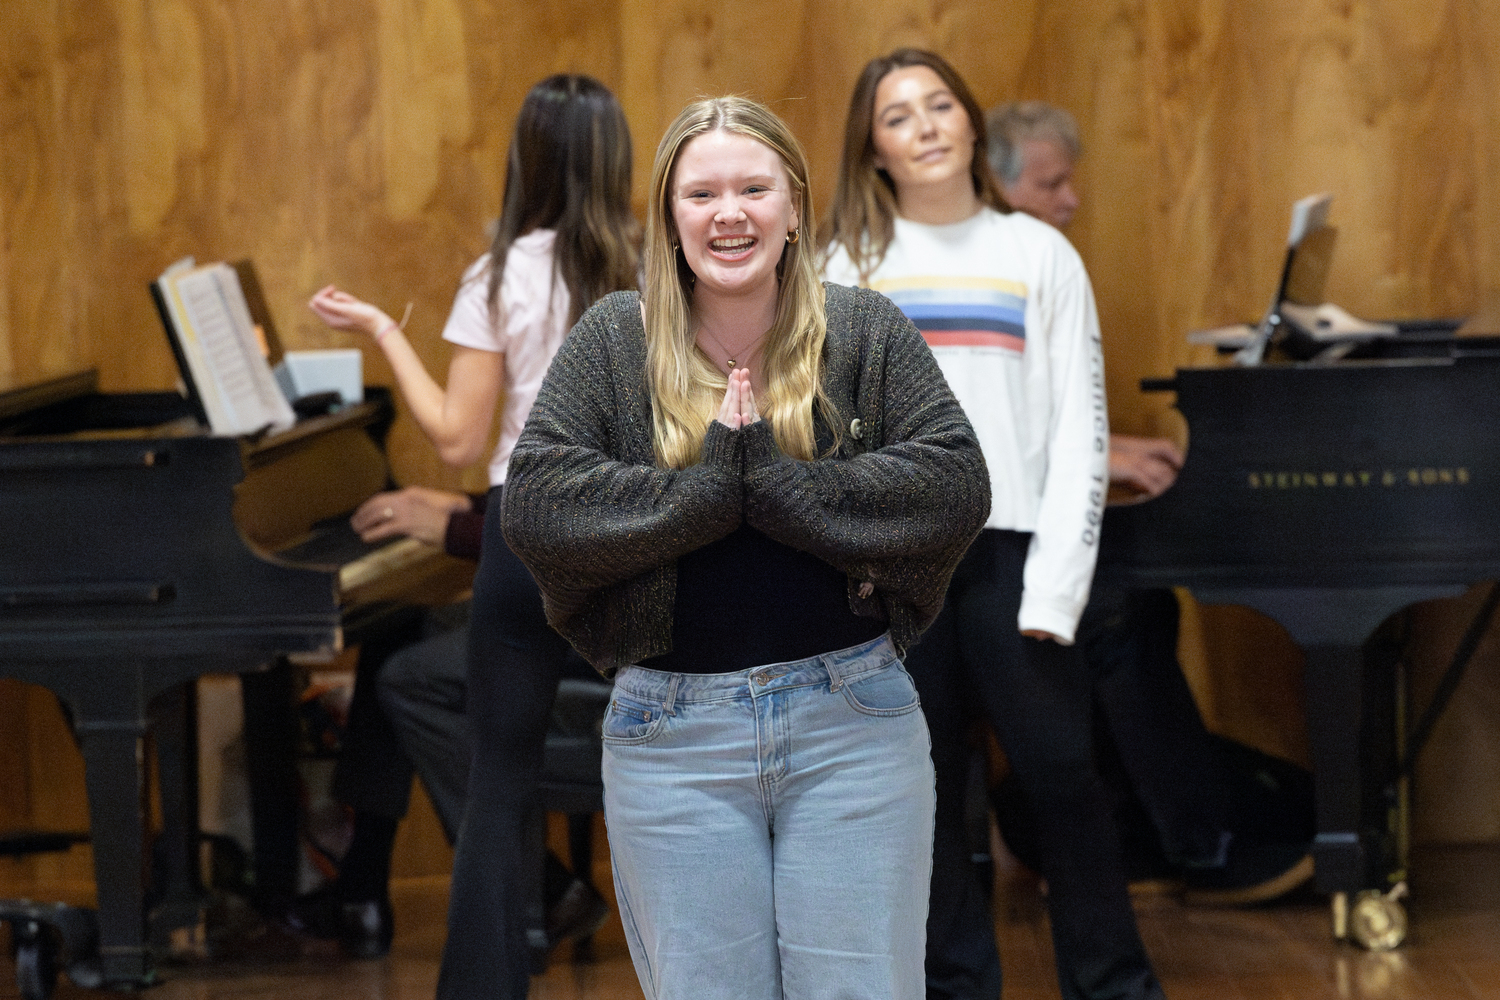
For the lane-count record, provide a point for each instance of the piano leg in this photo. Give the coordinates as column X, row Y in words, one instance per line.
column 271, row 760
column 1351, row 728
column 177, row 922
column 113, row 756
column 1352, row 720
column 1345, row 849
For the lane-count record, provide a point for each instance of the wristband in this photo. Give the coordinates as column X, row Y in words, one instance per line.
column 393, row 325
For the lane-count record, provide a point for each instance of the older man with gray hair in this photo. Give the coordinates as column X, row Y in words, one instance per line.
column 1033, row 147
column 1233, row 823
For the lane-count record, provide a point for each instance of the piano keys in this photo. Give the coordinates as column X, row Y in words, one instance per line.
column 138, row 553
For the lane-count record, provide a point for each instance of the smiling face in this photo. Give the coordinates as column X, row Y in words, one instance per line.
column 733, row 205
column 922, row 135
column 1045, row 187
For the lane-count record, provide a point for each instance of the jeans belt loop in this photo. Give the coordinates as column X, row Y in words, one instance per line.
column 835, row 679
column 670, row 703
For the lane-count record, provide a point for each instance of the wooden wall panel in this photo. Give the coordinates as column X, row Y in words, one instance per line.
column 363, row 143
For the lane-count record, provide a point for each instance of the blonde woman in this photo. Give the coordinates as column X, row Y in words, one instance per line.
column 742, row 496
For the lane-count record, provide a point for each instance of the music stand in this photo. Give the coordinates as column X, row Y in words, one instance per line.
column 1309, row 231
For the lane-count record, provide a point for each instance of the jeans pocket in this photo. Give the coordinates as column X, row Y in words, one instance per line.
column 631, row 721
column 888, row 691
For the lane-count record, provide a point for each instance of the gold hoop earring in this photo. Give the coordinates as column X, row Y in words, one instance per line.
column 793, row 236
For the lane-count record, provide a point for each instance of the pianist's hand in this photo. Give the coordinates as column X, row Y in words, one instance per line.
column 414, row 512
column 1146, row 466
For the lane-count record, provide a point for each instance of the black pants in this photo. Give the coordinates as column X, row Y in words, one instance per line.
column 1171, row 764
column 374, row 773
column 1036, row 695
column 515, row 661
column 424, row 693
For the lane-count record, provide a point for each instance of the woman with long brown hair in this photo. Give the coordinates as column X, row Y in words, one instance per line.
column 742, row 496
column 1005, row 304
column 565, row 238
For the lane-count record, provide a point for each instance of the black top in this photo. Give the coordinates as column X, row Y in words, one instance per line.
column 745, row 600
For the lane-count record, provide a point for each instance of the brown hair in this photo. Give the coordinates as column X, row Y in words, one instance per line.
column 862, row 220
column 568, row 169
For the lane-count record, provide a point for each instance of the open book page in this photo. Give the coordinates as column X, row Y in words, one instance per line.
column 212, row 323
column 1308, row 214
column 1330, row 322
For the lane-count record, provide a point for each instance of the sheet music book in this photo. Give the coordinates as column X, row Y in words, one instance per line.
column 1309, row 228
column 220, row 354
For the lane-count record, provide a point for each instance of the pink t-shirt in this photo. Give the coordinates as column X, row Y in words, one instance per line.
column 532, row 322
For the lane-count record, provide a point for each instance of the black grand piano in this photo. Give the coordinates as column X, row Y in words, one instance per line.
column 137, row 553
column 1327, row 496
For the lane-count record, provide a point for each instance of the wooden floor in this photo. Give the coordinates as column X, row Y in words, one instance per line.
column 1266, row 953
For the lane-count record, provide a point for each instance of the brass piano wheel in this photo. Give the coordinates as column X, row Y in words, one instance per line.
column 1377, row 921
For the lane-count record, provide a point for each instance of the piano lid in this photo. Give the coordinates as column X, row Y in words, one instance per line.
column 1355, row 474
column 20, row 393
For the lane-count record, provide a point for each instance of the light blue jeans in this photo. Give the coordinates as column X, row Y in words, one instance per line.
column 771, row 829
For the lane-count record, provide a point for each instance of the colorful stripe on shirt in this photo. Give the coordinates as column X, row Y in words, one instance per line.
column 962, row 312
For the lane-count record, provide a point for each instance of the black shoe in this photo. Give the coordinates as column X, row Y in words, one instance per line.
column 578, row 913
column 362, row 927
column 1254, row 873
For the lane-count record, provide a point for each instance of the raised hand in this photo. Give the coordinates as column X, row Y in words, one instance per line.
column 343, row 311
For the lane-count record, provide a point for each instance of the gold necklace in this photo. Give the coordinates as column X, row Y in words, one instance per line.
column 731, row 361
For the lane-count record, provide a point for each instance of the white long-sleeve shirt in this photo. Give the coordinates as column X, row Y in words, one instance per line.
column 1005, row 304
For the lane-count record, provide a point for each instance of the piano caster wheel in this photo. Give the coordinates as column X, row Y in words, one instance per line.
column 36, row 960
column 1377, row 921
column 540, row 952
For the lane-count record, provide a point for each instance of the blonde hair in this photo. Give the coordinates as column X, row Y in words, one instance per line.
column 686, row 389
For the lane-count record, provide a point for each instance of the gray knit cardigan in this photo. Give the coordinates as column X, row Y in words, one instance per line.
column 601, row 526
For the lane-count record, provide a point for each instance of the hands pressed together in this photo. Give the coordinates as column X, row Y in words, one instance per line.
column 738, row 409
column 416, row 512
